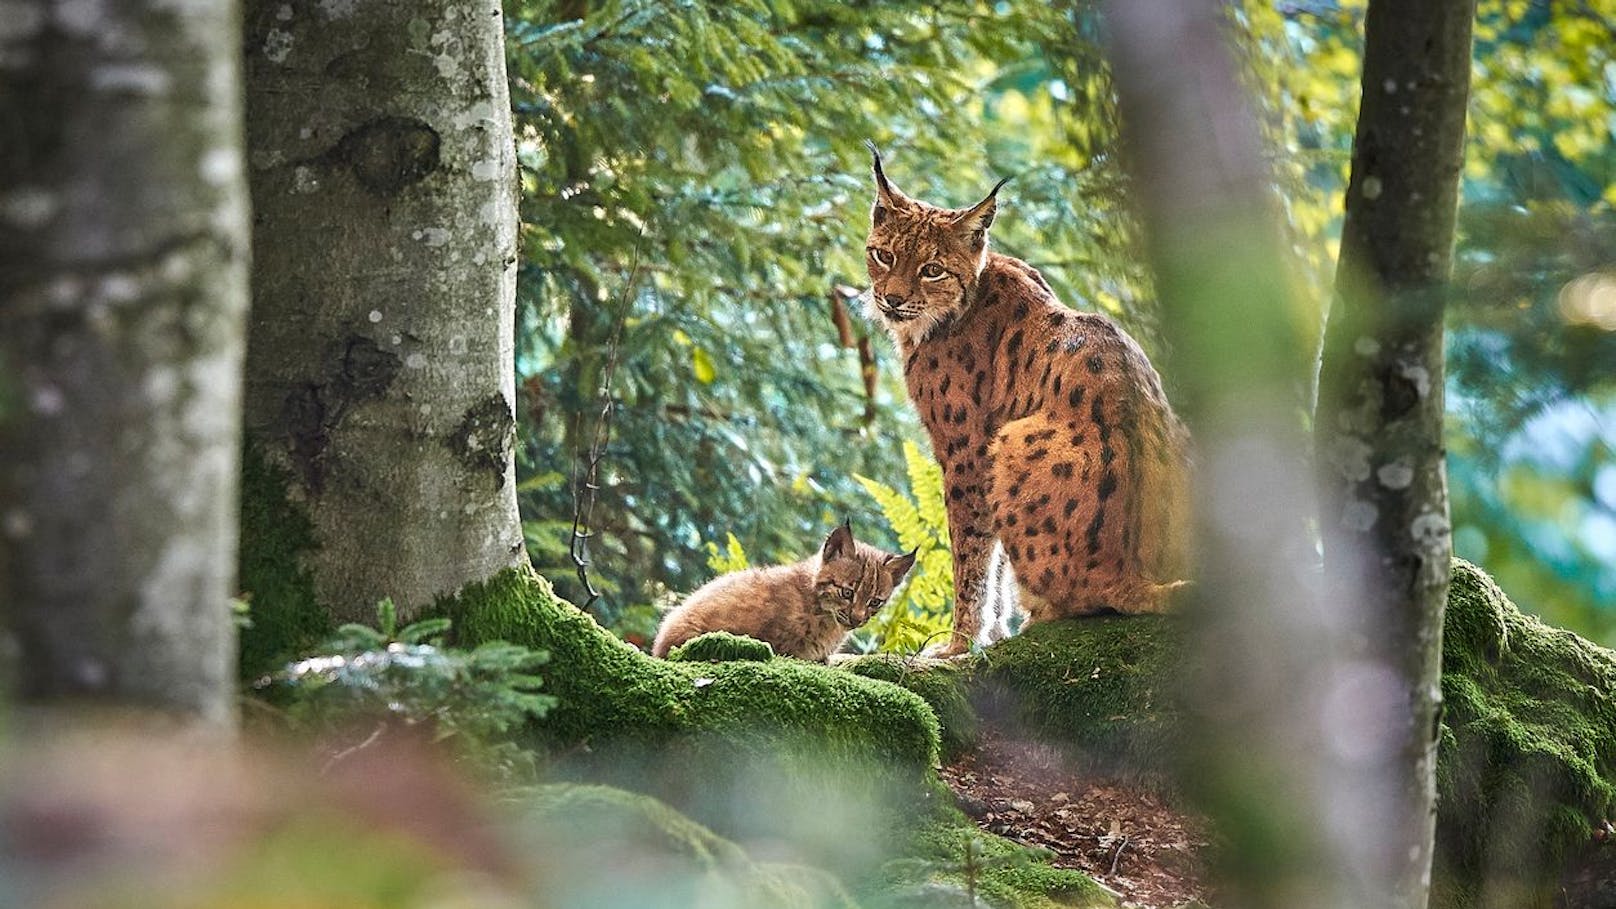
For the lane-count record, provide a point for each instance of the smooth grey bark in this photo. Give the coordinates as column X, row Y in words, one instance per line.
column 123, row 288
column 1292, row 726
column 380, row 366
column 1378, row 432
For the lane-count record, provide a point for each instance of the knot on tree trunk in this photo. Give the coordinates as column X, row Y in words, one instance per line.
column 484, row 437
column 391, row 153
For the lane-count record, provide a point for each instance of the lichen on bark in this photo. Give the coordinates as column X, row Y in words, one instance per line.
column 483, row 438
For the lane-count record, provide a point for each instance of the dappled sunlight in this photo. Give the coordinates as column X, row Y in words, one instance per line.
column 1590, row 300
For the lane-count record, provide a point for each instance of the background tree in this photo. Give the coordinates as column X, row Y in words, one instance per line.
column 380, row 355
column 1379, row 425
column 123, row 265
column 1529, row 419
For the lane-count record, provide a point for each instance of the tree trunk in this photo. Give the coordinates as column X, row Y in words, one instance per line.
column 380, row 371
column 1279, row 715
column 1378, row 432
column 123, row 288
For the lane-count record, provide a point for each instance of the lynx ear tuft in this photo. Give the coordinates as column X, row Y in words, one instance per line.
column 839, row 544
column 887, row 196
column 978, row 218
column 900, row 564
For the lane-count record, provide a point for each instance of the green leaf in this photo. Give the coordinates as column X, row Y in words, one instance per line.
column 702, row 364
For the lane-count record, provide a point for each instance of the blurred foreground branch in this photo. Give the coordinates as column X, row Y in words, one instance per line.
column 1280, row 716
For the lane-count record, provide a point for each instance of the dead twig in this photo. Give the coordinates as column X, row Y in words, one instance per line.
column 586, row 471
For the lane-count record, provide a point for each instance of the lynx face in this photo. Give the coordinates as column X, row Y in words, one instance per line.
column 855, row 580
column 924, row 261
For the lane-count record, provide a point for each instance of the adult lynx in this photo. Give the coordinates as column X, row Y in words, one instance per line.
column 1062, row 460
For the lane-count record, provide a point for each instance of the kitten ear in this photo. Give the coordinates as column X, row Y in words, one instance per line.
column 887, row 196
column 899, row 565
column 839, row 544
column 975, row 221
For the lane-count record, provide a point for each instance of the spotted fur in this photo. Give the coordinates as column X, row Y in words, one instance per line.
column 1061, row 455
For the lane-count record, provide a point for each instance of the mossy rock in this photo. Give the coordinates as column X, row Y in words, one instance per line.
column 1102, row 687
column 1527, row 763
column 947, row 857
column 722, row 647
column 609, row 691
column 832, row 750
column 1527, row 759
column 944, row 686
column 598, row 846
column 1099, row 687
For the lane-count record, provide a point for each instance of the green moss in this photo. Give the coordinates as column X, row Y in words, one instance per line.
column 1101, row 686
column 276, row 533
column 832, row 750
column 943, row 850
column 722, row 647
column 943, row 685
column 606, row 847
column 1528, row 747
column 609, row 690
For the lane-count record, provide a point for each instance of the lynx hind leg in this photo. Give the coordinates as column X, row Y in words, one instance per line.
column 1041, row 514
column 999, row 597
column 1035, row 606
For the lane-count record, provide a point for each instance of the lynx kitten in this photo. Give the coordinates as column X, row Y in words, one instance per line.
column 804, row 609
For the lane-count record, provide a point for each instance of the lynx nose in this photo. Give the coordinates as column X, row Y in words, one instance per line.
column 892, row 301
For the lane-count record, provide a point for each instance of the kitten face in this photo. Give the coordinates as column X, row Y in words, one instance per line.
column 854, row 579
column 924, row 261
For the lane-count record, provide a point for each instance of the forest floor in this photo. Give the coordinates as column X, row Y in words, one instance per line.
column 1130, row 839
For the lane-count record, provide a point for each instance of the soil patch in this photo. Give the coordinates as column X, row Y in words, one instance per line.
column 1131, row 840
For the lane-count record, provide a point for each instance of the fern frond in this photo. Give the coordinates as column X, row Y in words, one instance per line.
column 900, row 512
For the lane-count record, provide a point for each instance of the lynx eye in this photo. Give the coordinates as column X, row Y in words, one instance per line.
column 931, row 271
column 881, row 256
column 847, row 594
column 877, row 604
